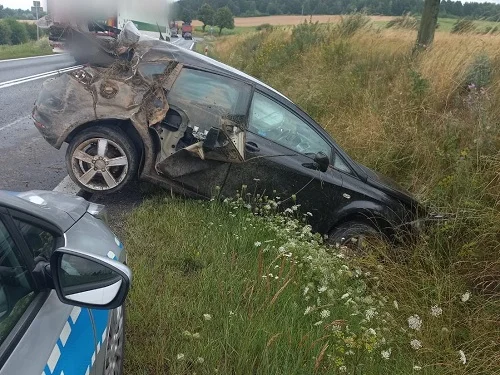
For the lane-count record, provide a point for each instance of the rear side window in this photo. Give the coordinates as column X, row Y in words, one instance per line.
column 16, row 292
column 39, row 241
column 212, row 92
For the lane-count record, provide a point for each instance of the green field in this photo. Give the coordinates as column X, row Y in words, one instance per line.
column 25, row 50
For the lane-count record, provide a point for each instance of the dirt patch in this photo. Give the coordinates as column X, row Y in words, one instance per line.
column 289, row 20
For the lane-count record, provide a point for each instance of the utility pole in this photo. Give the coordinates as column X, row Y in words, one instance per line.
column 35, row 9
column 428, row 24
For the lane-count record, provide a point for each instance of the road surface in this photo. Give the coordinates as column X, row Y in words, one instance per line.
column 26, row 160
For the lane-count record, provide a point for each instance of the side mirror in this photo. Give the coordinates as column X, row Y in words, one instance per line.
column 89, row 280
column 322, row 161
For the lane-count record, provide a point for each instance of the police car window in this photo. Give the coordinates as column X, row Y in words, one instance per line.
column 40, row 242
column 276, row 123
column 16, row 292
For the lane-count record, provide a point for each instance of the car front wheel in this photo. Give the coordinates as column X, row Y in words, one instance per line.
column 356, row 237
column 101, row 159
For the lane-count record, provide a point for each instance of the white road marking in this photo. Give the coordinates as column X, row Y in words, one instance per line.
column 33, row 57
column 14, row 122
column 67, row 186
column 192, row 45
column 18, row 81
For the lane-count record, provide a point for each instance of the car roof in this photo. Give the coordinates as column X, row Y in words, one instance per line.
column 197, row 60
column 49, row 213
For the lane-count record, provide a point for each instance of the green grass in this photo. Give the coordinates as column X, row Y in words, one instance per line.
column 446, row 24
column 198, row 31
column 25, row 50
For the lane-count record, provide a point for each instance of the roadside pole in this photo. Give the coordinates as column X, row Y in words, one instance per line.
column 35, row 8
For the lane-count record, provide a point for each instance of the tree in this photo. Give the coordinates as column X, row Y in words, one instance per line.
column 19, row 33
column 224, row 19
column 428, row 23
column 5, row 33
column 206, row 15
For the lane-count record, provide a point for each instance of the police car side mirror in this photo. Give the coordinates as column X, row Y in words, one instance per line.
column 89, row 280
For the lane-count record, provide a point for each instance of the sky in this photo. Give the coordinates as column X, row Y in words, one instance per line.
column 26, row 4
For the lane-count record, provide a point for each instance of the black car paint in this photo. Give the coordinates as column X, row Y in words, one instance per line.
column 333, row 197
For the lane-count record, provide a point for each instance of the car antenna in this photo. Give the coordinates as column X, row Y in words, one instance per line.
column 161, row 36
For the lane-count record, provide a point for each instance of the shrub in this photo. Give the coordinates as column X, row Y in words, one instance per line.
column 5, row 33
column 407, row 21
column 352, row 23
column 19, row 33
column 463, row 26
column 31, row 29
column 265, row 26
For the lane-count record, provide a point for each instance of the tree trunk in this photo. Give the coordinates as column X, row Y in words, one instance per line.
column 428, row 23
column 220, row 30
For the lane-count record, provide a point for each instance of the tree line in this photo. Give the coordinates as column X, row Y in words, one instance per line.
column 18, row 14
column 242, row 8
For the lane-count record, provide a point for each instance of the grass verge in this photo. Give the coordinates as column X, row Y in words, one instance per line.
column 39, row 48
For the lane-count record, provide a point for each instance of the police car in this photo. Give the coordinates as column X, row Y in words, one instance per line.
column 63, row 283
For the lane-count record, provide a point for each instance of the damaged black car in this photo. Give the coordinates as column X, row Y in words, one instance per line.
column 179, row 119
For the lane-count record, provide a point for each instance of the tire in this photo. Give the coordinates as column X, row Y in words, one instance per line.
column 90, row 154
column 115, row 344
column 356, row 237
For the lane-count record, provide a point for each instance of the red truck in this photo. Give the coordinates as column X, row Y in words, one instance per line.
column 187, row 31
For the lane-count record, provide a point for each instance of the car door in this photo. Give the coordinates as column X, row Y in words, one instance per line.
column 204, row 129
column 279, row 162
column 38, row 333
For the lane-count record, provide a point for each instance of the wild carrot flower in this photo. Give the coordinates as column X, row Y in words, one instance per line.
column 325, row 314
column 465, row 297
column 308, row 310
column 180, row 356
column 417, row 368
column 396, row 306
column 436, row 310
column 257, row 244
column 414, row 322
column 207, row 316
column 463, row 358
column 415, row 344
column 386, row 353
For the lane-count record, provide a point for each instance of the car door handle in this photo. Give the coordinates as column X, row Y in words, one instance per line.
column 252, row 147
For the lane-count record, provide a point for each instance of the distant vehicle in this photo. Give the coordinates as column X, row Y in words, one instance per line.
column 188, row 36
column 210, row 129
column 63, row 283
column 173, row 33
column 187, row 28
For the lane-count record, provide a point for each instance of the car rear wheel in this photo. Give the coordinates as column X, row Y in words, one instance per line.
column 356, row 237
column 113, row 363
column 101, row 159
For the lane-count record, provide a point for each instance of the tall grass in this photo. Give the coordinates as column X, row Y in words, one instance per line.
column 39, row 48
column 431, row 122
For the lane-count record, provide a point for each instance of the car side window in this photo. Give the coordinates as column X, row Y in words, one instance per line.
column 276, row 123
column 340, row 165
column 210, row 92
column 16, row 292
column 39, row 241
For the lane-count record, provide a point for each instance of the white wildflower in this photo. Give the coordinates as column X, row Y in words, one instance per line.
column 396, row 306
column 386, row 353
column 322, row 289
column 465, row 297
column 308, row 310
column 281, row 249
column 415, row 344
column 370, row 313
column 417, row 368
column 200, row 360
column 343, row 369
column 196, row 335
column 344, row 296
column 463, row 358
column 371, row 331
column 187, row 334
column 318, row 323
column 324, row 314
column 180, row 356
column 308, row 213
column 257, row 244
column 306, row 289
column 295, row 207
column 436, row 310
column 288, row 211
column 207, row 316
column 414, row 322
